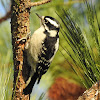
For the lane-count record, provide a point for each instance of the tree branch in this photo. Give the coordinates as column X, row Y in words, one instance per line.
column 92, row 94
column 31, row 4
column 8, row 15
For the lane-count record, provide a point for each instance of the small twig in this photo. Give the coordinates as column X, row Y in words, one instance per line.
column 5, row 17
column 31, row 4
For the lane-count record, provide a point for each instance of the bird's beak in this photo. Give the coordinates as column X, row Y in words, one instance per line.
column 39, row 16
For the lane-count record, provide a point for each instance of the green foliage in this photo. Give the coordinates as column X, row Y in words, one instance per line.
column 6, row 69
column 6, row 82
column 80, row 51
column 41, row 97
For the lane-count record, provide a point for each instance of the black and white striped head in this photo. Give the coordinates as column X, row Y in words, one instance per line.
column 50, row 24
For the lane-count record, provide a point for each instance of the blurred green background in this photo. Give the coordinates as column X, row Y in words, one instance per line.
column 68, row 68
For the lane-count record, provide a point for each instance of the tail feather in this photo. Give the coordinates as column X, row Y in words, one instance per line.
column 29, row 87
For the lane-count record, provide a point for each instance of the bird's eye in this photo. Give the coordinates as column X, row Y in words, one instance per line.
column 46, row 21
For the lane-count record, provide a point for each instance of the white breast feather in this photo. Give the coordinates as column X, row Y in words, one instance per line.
column 35, row 46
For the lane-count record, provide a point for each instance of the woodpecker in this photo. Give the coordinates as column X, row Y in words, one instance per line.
column 41, row 49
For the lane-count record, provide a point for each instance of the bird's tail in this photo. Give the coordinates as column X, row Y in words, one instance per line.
column 29, row 87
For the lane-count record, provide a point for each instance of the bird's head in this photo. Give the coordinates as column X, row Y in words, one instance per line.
column 50, row 24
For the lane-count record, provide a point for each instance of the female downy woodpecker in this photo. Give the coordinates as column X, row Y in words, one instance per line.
column 41, row 50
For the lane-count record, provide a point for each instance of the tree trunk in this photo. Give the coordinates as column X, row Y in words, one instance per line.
column 19, row 29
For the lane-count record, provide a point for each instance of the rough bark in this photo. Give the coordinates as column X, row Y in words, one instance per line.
column 20, row 29
column 92, row 94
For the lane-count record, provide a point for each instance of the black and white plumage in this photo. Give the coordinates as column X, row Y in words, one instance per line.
column 41, row 50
